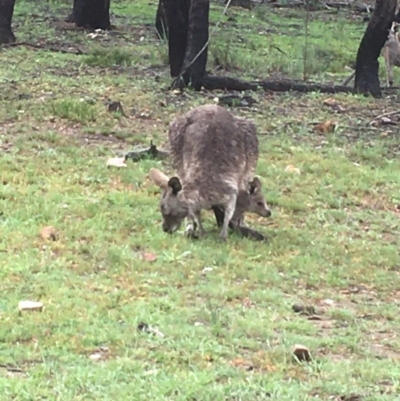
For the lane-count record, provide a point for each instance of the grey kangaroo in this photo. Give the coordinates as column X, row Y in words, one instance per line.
column 215, row 155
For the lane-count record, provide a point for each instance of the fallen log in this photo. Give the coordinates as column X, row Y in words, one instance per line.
column 287, row 85
column 210, row 82
column 362, row 8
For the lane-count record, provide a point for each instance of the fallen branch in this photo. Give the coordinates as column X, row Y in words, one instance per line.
column 152, row 151
column 389, row 114
column 210, row 82
column 362, row 8
column 286, row 5
column 348, row 79
column 286, row 85
column 40, row 47
column 233, row 84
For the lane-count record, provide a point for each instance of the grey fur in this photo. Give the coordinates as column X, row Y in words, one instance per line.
column 391, row 53
column 215, row 155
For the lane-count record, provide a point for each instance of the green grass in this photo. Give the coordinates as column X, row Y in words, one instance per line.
column 229, row 329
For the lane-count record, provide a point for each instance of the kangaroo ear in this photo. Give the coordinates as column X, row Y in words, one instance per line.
column 254, row 186
column 159, row 178
column 175, row 184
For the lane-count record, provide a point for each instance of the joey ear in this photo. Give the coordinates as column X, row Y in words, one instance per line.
column 159, row 178
column 255, row 186
column 175, row 184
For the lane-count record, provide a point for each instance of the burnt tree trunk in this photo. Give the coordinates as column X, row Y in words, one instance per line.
column 6, row 14
column 161, row 21
column 194, row 64
column 91, row 14
column 367, row 65
column 177, row 16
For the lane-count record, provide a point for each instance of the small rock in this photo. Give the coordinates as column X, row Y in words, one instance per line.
column 116, row 162
column 149, row 329
column 387, row 121
column 142, row 326
column 30, row 305
column 207, row 270
column 329, row 302
column 96, row 356
column 151, row 372
column 301, row 353
column 303, row 309
column 115, row 107
column 49, row 232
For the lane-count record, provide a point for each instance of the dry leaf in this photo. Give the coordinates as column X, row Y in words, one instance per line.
column 330, row 102
column 116, row 162
column 326, row 127
column 99, row 354
column 30, row 305
column 242, row 363
column 247, row 302
column 49, row 232
column 292, row 169
column 150, row 257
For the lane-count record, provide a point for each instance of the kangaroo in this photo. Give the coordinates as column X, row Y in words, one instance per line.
column 215, row 155
column 251, row 201
column 391, row 53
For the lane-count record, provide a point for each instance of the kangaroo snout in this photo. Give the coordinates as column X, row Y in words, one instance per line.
column 267, row 213
column 169, row 228
column 166, row 229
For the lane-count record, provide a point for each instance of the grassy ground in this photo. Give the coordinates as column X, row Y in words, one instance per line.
column 229, row 329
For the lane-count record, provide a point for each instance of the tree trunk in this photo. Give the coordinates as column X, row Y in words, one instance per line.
column 161, row 21
column 367, row 65
column 91, row 14
column 177, row 16
column 194, row 65
column 6, row 14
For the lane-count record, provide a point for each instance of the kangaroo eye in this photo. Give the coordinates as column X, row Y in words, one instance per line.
column 260, row 204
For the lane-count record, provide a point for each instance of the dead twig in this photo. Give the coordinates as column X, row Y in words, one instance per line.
column 362, row 8
column 152, row 152
column 388, row 114
column 348, row 79
column 10, row 368
column 40, row 47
